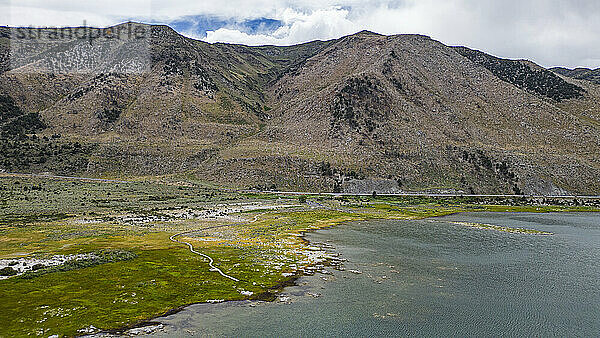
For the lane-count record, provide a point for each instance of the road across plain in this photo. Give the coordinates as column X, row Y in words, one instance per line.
column 406, row 194
column 415, row 194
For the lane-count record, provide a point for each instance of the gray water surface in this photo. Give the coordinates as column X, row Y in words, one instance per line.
column 432, row 278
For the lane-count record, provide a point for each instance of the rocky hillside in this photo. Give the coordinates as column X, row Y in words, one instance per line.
column 362, row 113
column 592, row 75
column 525, row 75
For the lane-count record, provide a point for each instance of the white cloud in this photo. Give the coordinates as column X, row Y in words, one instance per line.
column 297, row 28
column 550, row 32
column 39, row 13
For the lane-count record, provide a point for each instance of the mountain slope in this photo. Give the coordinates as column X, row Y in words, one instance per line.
column 361, row 113
column 592, row 75
column 525, row 75
column 414, row 110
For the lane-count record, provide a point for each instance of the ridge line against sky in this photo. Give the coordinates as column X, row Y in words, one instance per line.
column 548, row 32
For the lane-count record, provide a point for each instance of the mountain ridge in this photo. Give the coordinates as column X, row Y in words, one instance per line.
column 581, row 73
column 360, row 113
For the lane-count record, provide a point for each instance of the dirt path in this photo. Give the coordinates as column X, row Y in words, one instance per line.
column 210, row 259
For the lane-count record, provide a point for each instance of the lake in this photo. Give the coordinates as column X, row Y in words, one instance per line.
column 432, row 278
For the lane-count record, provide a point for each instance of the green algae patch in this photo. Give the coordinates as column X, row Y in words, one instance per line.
column 484, row 226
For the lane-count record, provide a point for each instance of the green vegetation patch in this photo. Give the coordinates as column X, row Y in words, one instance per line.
column 21, row 196
column 97, row 258
column 8, row 271
column 24, row 220
column 502, row 229
column 109, row 295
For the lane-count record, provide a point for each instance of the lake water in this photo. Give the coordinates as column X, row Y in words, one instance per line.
column 432, row 278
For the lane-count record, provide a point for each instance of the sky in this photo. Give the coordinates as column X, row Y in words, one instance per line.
column 548, row 32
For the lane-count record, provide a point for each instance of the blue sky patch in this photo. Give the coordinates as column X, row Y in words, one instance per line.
column 200, row 24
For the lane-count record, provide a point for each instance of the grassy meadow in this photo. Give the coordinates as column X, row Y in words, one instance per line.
column 261, row 245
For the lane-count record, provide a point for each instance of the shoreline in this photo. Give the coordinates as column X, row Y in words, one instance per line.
column 269, row 295
column 53, row 217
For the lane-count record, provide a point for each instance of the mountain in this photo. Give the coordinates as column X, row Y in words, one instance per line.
column 362, row 113
column 592, row 75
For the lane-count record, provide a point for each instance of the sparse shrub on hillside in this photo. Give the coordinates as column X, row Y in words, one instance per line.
column 592, row 75
column 487, row 165
column 358, row 105
column 202, row 80
column 8, row 108
column 22, row 152
column 44, row 154
column 400, row 182
column 14, row 123
column 337, row 187
column 540, row 81
column 23, row 124
column 266, row 187
column 325, row 169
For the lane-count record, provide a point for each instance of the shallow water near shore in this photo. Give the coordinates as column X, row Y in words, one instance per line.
column 432, row 277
